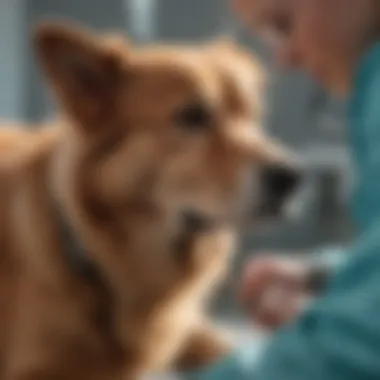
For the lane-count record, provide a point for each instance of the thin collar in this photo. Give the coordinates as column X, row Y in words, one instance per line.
column 79, row 260
column 76, row 254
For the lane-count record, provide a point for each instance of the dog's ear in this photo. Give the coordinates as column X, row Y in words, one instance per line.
column 85, row 72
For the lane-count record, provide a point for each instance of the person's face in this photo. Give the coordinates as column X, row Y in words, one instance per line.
column 325, row 37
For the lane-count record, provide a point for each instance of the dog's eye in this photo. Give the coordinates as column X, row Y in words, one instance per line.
column 193, row 117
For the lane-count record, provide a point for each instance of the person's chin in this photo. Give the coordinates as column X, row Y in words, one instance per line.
column 339, row 89
column 336, row 84
column 332, row 81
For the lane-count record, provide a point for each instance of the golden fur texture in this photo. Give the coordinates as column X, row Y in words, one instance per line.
column 145, row 134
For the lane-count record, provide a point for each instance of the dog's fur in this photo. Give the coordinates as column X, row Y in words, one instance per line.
column 123, row 165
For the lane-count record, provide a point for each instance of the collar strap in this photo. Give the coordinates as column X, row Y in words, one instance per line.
column 76, row 255
column 79, row 260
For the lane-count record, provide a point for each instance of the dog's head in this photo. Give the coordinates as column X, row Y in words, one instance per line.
column 176, row 125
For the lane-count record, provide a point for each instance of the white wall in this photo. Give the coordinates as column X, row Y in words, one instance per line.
column 12, row 58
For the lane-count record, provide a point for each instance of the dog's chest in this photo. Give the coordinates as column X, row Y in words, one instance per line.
column 163, row 334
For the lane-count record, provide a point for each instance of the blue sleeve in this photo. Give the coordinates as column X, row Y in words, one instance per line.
column 338, row 338
column 330, row 257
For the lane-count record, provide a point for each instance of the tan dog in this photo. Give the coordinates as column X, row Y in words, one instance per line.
column 117, row 221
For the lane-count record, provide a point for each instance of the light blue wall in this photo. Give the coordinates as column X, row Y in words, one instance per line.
column 12, row 59
column 97, row 14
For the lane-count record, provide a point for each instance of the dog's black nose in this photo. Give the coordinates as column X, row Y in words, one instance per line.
column 280, row 180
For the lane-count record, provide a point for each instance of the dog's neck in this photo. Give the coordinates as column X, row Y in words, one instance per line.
column 123, row 294
column 75, row 252
column 146, row 232
column 85, row 244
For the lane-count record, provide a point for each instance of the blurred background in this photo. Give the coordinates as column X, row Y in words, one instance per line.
column 299, row 112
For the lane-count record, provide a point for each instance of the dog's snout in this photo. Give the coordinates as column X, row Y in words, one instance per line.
column 280, row 180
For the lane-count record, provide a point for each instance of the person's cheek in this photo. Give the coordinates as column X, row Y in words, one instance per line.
column 315, row 37
column 327, row 22
column 315, row 24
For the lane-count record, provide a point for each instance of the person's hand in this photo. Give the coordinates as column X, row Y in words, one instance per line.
column 274, row 290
